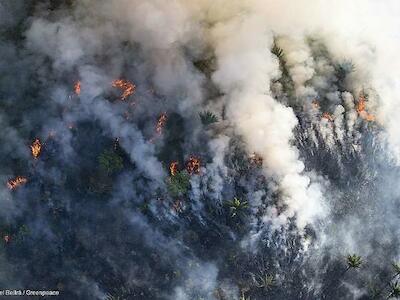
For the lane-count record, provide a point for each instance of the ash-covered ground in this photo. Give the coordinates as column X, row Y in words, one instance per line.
column 198, row 149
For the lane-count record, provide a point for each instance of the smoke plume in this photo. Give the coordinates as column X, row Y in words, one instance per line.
column 200, row 149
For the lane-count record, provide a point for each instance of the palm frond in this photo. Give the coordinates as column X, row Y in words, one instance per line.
column 208, row 118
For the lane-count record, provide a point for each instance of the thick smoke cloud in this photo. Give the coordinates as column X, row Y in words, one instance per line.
column 290, row 109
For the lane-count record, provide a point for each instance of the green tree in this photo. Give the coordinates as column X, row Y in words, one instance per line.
column 178, row 184
column 396, row 269
column 264, row 281
column 394, row 290
column 208, row 118
column 353, row 262
column 237, row 206
column 110, row 161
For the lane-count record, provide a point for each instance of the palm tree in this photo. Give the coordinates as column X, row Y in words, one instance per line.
column 396, row 268
column 277, row 51
column 237, row 206
column 394, row 290
column 353, row 262
column 265, row 281
column 208, row 118
column 373, row 292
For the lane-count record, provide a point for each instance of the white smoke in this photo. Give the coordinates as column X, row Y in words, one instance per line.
column 240, row 34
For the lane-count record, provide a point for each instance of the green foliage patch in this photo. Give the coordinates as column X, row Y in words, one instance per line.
column 110, row 161
column 178, row 184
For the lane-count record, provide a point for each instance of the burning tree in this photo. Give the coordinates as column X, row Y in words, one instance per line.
column 77, row 88
column 36, row 148
column 18, row 181
column 361, row 109
column 162, row 120
column 173, row 168
column 193, row 165
column 127, row 87
column 327, row 116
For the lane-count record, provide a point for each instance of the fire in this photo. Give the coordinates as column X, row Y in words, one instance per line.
column 369, row 118
column 162, row 120
column 173, row 168
column 193, row 165
column 361, row 106
column 327, row 116
column 36, row 148
column 12, row 184
column 77, row 88
column 127, row 87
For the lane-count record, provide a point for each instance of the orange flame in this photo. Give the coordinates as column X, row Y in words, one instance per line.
column 327, row 116
column 12, row 184
column 361, row 106
column 77, row 88
column 162, row 120
column 36, row 148
column 193, row 165
column 127, row 87
column 173, row 168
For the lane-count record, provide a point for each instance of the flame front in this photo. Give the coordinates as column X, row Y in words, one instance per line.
column 162, row 120
column 127, row 87
column 361, row 106
column 173, row 168
column 12, row 184
column 77, row 88
column 193, row 165
column 36, row 148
